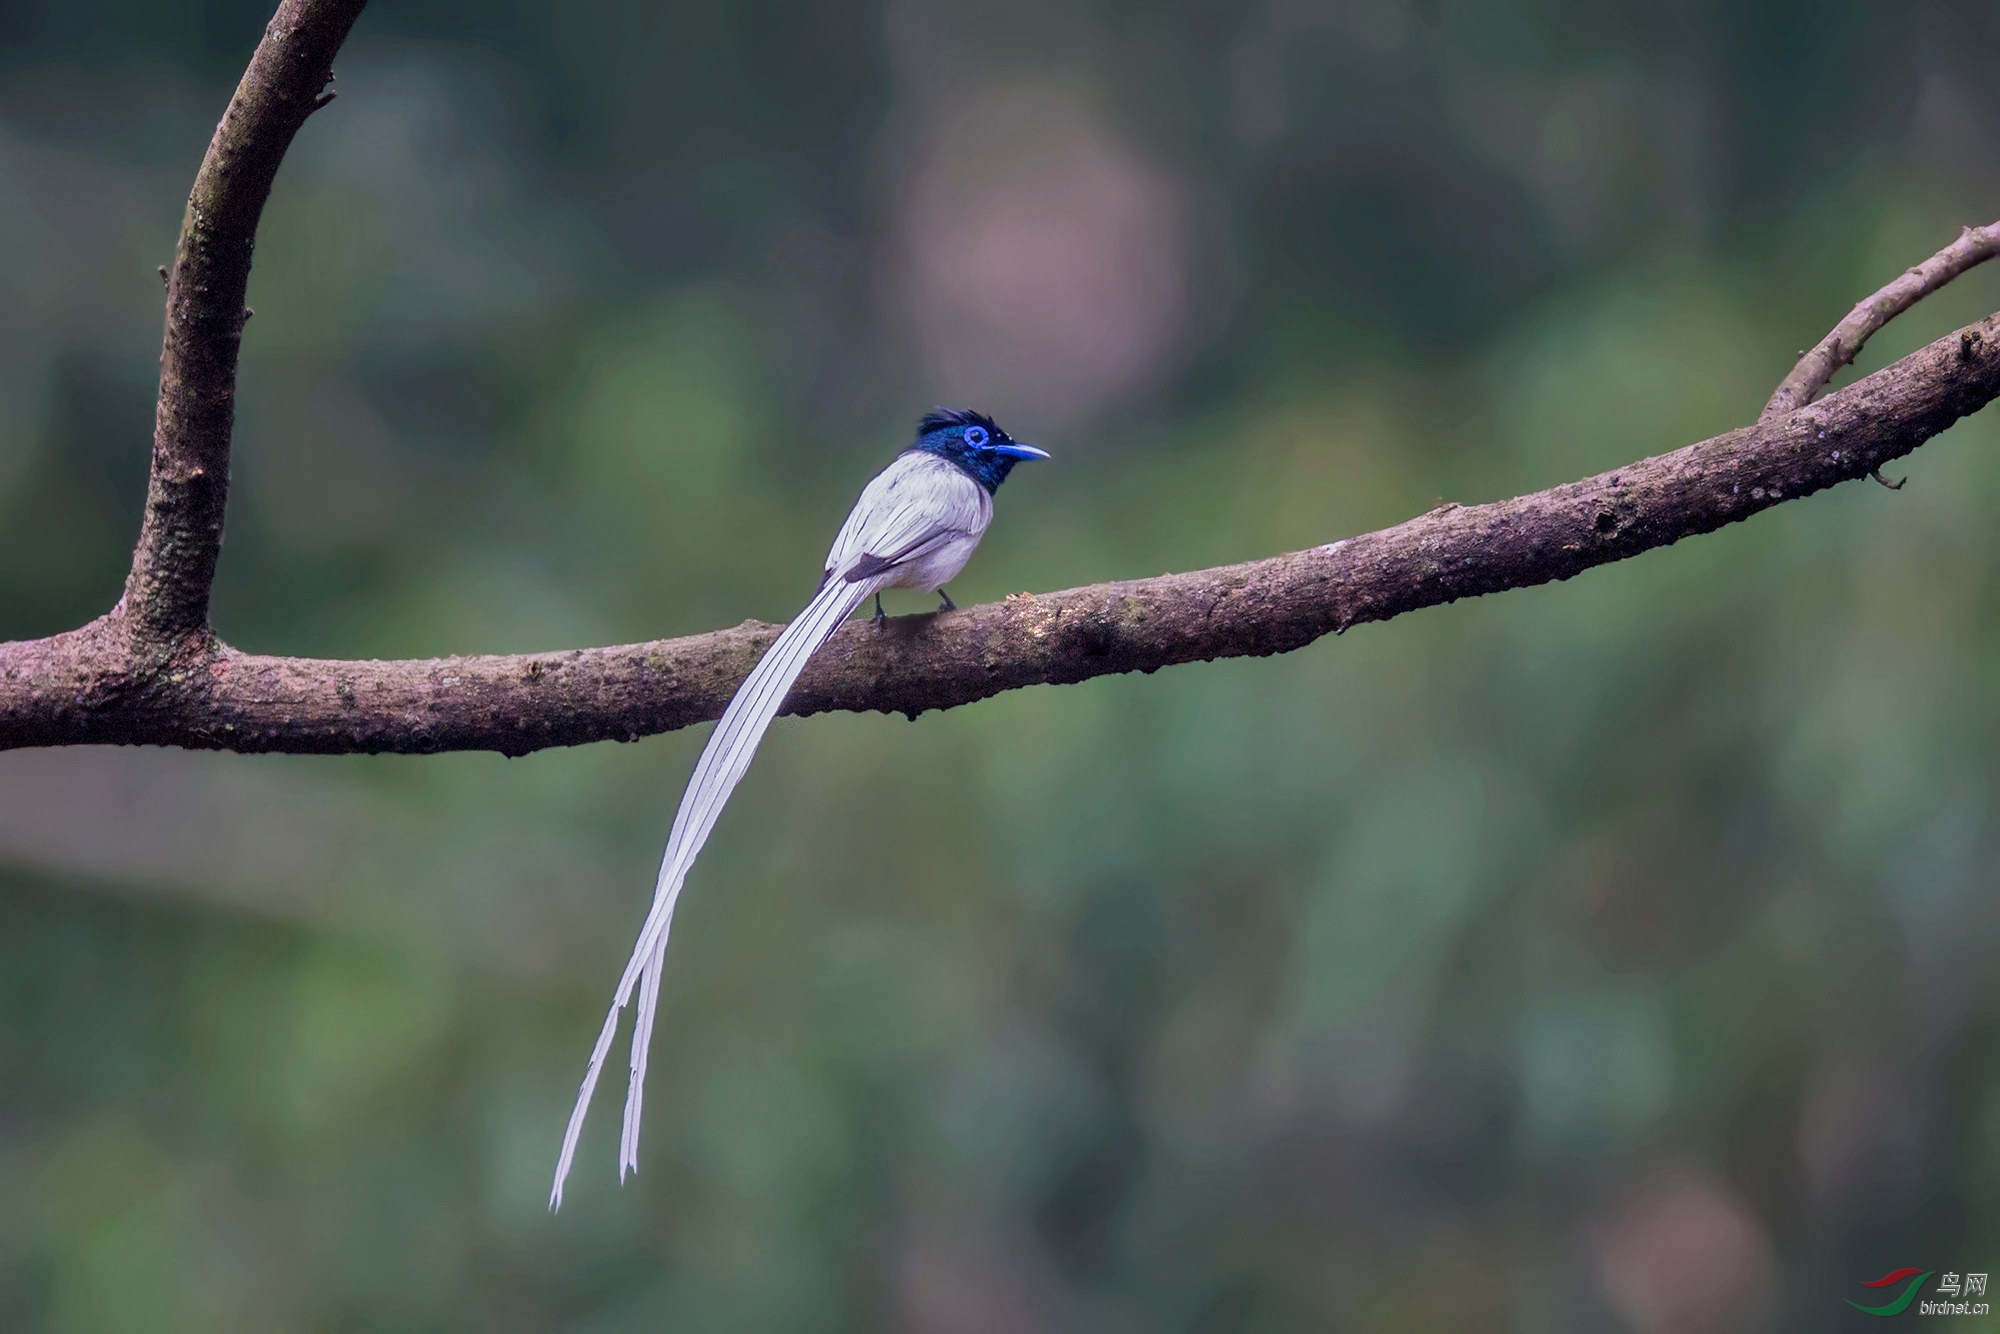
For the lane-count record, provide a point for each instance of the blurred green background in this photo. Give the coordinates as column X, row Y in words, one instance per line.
column 1618, row 955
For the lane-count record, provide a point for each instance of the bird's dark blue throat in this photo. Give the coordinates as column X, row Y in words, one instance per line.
column 975, row 443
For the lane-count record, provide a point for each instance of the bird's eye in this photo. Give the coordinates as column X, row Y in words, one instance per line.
column 975, row 436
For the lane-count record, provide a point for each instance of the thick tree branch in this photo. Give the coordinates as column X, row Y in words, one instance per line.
column 1816, row 369
column 63, row 690
column 173, row 566
column 151, row 672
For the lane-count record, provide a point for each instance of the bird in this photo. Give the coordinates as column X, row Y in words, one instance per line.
column 915, row 526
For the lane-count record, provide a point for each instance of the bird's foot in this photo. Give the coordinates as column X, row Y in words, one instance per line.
column 945, row 603
column 881, row 618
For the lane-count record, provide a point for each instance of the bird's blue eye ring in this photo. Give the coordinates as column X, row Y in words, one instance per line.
column 975, row 436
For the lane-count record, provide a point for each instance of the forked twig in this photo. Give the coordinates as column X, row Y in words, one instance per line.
column 1816, row 369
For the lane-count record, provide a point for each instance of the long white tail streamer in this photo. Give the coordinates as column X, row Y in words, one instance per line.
column 722, row 765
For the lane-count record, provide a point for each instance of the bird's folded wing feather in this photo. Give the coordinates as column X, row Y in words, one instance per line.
column 917, row 503
column 908, row 554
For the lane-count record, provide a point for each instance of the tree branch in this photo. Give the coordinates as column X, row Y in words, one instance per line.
column 151, row 671
column 60, row 691
column 173, row 565
column 1816, row 369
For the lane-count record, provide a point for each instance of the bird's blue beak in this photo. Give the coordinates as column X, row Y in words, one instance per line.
column 1026, row 453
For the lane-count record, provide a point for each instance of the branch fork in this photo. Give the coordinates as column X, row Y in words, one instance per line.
column 151, row 671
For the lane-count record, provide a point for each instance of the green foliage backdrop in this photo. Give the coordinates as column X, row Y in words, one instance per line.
column 1612, row 955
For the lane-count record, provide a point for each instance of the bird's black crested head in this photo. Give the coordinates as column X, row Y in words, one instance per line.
column 975, row 442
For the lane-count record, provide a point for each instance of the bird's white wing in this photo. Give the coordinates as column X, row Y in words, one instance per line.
column 916, row 504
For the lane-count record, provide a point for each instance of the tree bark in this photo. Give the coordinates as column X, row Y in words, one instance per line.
column 180, row 538
column 150, row 671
